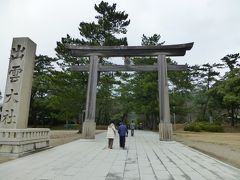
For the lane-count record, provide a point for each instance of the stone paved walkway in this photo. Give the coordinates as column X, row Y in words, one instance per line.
column 145, row 158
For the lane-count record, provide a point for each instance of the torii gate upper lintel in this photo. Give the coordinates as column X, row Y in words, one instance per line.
column 165, row 126
column 129, row 51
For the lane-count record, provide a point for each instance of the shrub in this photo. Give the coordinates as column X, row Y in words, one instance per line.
column 192, row 127
column 203, row 126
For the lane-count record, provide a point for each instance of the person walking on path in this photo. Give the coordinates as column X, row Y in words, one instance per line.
column 123, row 132
column 132, row 127
column 111, row 133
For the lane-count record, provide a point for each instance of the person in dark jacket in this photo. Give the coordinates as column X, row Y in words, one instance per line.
column 123, row 132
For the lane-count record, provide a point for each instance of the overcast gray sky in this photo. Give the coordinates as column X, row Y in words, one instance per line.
column 213, row 25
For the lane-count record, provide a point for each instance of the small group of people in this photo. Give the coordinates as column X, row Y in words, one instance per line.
column 122, row 131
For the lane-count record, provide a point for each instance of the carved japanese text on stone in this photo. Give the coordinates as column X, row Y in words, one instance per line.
column 18, row 85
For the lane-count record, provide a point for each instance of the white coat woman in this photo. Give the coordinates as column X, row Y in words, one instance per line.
column 111, row 133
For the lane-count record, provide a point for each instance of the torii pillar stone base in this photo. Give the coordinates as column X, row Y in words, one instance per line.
column 88, row 131
column 165, row 131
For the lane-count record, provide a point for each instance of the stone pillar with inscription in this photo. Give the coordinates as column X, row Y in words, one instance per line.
column 15, row 138
column 19, row 83
column 165, row 126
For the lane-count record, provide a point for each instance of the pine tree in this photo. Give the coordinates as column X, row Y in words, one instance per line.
column 108, row 29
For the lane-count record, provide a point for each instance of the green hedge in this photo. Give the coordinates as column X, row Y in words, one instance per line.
column 203, row 126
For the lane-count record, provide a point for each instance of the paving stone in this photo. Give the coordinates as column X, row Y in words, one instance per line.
column 148, row 177
column 145, row 158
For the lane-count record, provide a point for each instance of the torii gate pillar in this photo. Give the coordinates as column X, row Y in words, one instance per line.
column 89, row 125
column 165, row 126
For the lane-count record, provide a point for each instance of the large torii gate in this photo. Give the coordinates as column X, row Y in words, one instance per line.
column 165, row 126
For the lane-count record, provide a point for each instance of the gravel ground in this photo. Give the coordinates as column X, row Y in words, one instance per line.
column 58, row 137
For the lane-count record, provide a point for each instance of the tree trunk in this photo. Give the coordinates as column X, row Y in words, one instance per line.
column 146, row 122
column 124, row 117
column 205, row 106
column 98, row 119
column 153, row 122
column 232, row 117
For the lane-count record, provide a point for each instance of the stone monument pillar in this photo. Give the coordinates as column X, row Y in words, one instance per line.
column 89, row 125
column 15, row 138
column 165, row 126
column 19, row 84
